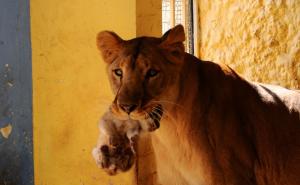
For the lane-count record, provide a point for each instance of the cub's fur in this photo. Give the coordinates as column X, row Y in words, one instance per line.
column 217, row 128
column 115, row 150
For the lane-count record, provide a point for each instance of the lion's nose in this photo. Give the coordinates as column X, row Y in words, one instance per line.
column 128, row 108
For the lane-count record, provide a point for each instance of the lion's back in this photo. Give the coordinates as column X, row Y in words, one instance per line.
column 280, row 95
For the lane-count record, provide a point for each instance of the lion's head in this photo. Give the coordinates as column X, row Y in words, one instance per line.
column 143, row 72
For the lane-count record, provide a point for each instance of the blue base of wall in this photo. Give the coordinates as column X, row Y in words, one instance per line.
column 16, row 157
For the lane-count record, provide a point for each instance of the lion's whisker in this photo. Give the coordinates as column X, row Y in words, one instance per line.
column 165, row 101
column 158, row 118
column 165, row 112
column 146, row 114
column 158, row 112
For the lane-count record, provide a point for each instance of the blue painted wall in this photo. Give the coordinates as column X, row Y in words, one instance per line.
column 16, row 161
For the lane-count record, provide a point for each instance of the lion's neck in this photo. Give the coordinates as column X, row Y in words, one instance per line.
column 186, row 108
column 180, row 130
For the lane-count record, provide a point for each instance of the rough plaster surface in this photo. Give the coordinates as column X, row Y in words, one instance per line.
column 148, row 18
column 259, row 39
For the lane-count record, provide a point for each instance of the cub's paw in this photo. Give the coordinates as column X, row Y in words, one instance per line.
column 114, row 159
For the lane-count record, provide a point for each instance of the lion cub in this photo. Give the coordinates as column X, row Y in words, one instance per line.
column 115, row 150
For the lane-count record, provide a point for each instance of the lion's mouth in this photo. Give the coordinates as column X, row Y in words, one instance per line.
column 149, row 116
column 156, row 115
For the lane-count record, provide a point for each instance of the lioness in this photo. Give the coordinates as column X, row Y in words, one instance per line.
column 217, row 128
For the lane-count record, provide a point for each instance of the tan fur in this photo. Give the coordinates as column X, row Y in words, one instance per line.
column 217, row 128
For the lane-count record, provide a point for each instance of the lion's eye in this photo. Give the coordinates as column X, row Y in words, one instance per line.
column 118, row 72
column 152, row 73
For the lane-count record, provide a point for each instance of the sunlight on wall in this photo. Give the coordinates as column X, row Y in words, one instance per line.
column 259, row 39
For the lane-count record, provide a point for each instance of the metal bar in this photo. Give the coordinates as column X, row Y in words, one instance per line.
column 196, row 27
column 172, row 6
column 190, row 27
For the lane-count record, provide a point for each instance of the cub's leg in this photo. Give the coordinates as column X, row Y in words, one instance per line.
column 114, row 151
column 116, row 156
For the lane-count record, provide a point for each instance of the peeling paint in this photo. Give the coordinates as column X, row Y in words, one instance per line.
column 10, row 84
column 5, row 131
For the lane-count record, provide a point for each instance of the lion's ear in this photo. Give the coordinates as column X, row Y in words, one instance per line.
column 109, row 45
column 172, row 44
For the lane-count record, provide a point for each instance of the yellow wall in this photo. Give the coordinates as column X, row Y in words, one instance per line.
column 260, row 39
column 148, row 18
column 70, row 86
